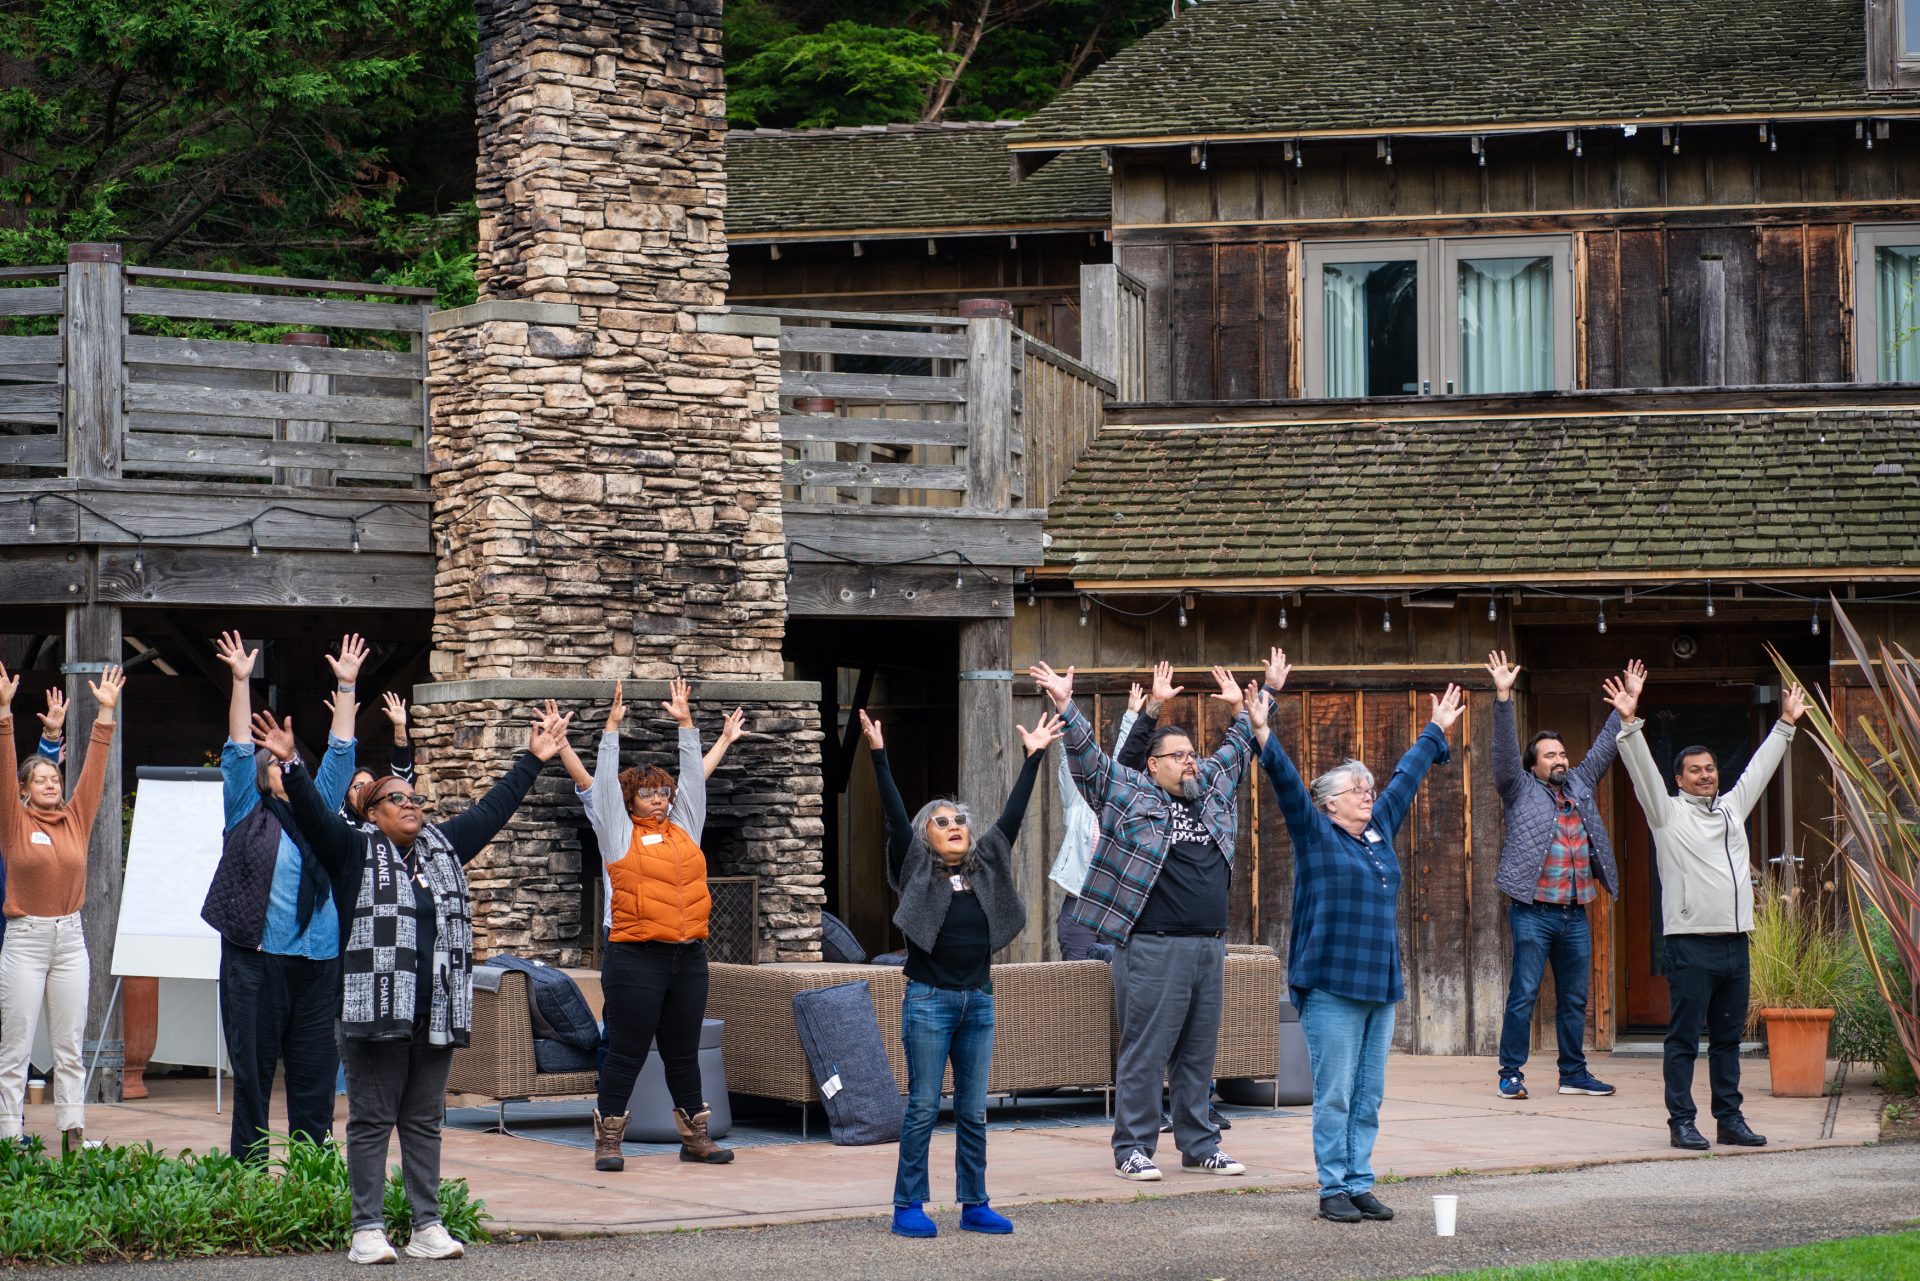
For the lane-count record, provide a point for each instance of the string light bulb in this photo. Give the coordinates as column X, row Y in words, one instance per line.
column 356, row 538
column 33, row 517
column 1709, row 600
column 1083, row 611
column 1816, row 619
column 1183, row 613
column 873, row 584
column 253, row 541
column 1603, row 618
column 1032, row 599
column 959, row 580
column 139, row 559
column 1283, row 616
column 1493, row 609
column 1386, row 620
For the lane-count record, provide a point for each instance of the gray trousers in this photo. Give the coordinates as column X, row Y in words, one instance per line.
column 1166, row 1001
column 395, row 1085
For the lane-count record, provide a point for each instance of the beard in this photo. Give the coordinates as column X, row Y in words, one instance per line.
column 1190, row 788
column 1557, row 775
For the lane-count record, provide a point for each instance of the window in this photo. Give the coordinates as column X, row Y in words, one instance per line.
column 1893, row 44
column 1886, row 267
column 1908, row 50
column 1411, row 317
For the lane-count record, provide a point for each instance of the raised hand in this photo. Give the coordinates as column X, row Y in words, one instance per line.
column 549, row 732
column 53, row 721
column 871, row 728
column 9, row 686
column 1045, row 733
column 1793, row 704
column 1619, row 697
column 733, row 727
column 107, row 692
column 232, row 651
column 1636, row 677
column 274, row 736
column 353, row 652
column 1447, row 707
column 396, row 709
column 1163, row 686
column 1230, row 692
column 676, row 704
column 1057, row 685
column 618, row 711
column 1504, row 674
column 1259, row 707
column 1136, row 697
column 1277, row 668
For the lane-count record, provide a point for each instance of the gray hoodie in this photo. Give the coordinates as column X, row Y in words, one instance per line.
column 1706, row 882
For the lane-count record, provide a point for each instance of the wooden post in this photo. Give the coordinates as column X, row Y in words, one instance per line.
column 990, row 753
column 93, row 640
column 816, row 451
column 303, row 384
column 989, row 402
column 96, row 343
column 1100, row 326
column 1713, row 321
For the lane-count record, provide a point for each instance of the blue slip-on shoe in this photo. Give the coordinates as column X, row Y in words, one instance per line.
column 1513, row 1087
column 912, row 1221
column 983, row 1218
column 1585, row 1083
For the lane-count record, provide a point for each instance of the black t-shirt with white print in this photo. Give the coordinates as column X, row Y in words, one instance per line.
column 1191, row 895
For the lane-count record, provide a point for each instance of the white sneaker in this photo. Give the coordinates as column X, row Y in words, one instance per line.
column 1139, row 1167
column 370, row 1245
column 434, row 1242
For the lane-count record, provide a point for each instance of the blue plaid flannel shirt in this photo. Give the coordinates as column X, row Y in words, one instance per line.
column 1136, row 821
column 1346, row 888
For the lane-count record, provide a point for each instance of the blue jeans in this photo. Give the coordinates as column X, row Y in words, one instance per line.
column 939, row 1024
column 1347, row 1043
column 1544, row 933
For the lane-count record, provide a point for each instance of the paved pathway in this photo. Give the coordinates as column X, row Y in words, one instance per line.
column 1750, row 1202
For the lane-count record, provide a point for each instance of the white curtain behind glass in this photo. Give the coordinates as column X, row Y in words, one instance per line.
column 1346, row 308
column 1506, row 324
column 1896, row 280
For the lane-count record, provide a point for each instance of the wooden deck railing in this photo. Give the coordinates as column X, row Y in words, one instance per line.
column 108, row 397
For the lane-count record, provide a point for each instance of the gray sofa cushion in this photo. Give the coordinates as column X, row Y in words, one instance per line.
column 558, row 1056
column 849, row 1063
column 837, row 943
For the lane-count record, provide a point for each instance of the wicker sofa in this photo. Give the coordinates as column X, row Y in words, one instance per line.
column 498, row 1060
column 1053, row 1024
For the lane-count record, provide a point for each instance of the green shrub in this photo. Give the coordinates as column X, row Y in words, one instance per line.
column 1797, row 960
column 1863, row 1030
column 136, row 1202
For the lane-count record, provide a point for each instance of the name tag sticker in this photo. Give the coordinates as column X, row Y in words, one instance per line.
column 40, row 838
column 1373, row 836
column 652, row 838
column 830, row 1086
column 959, row 884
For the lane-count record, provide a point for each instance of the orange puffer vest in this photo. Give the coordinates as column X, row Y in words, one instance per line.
column 660, row 887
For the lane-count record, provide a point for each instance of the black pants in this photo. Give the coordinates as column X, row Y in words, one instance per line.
column 1706, row 982
column 279, row 1009
column 653, row 990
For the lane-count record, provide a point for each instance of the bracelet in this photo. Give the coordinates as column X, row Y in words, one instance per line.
column 345, row 687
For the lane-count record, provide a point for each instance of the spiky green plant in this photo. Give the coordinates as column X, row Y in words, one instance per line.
column 1797, row 961
column 1876, row 789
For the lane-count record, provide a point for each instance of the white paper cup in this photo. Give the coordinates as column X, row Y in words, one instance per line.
column 1445, row 1210
column 36, row 1091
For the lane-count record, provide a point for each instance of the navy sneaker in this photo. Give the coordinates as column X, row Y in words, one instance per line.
column 1585, row 1083
column 1513, row 1087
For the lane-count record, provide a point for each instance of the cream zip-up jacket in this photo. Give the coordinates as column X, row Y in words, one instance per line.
column 1706, row 885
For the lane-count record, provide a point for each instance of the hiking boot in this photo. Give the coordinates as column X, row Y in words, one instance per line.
column 1736, row 1131
column 694, row 1143
column 1584, row 1083
column 1340, row 1208
column 1215, row 1162
column 1683, row 1135
column 608, row 1131
column 435, row 1242
column 1370, row 1206
column 1139, row 1167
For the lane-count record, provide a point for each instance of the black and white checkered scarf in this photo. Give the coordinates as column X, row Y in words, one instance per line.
column 380, row 961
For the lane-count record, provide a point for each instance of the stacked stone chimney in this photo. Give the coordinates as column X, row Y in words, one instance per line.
column 606, row 466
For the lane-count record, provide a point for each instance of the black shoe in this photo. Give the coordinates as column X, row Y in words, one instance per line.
column 1736, row 1131
column 1371, row 1206
column 1219, row 1122
column 1340, row 1208
column 1683, row 1135
column 1166, row 1123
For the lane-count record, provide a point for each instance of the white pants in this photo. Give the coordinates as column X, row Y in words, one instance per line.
column 43, row 956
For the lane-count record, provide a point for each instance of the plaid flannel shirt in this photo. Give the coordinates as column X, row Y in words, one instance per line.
column 1136, row 821
column 1346, row 888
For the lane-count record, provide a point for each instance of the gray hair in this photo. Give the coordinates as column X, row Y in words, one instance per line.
column 1349, row 773
column 925, row 816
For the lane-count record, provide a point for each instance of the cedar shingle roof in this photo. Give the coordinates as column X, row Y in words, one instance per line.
column 1636, row 496
column 1239, row 66
column 919, row 177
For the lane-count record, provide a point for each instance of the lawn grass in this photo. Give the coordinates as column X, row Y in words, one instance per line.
column 1877, row 1258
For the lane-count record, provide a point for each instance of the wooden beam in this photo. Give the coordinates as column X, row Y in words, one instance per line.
column 827, row 590
column 811, row 428
column 990, row 409
column 96, row 328
column 35, row 300
column 199, row 354
column 177, row 511
column 1513, row 221
column 884, row 535
column 217, row 576
column 846, row 747
column 875, row 475
column 873, row 342
column 320, row 313
column 912, row 388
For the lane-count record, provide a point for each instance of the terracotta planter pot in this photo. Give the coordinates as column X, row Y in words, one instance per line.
column 139, row 1025
column 1797, row 1051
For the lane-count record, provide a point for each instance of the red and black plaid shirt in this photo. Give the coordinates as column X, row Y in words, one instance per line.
column 1567, row 875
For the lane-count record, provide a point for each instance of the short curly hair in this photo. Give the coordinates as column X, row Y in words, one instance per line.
column 632, row 780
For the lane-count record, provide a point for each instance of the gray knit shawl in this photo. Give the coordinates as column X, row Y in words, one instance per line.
column 926, row 891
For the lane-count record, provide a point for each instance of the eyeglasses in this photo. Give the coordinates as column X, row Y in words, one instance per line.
column 412, row 800
column 652, row 793
column 944, row 821
column 1364, row 789
column 1177, row 756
